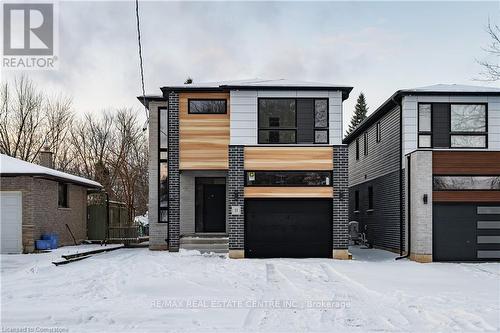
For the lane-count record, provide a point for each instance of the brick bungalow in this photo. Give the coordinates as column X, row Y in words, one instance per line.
column 37, row 199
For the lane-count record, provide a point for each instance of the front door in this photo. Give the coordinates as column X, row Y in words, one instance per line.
column 210, row 205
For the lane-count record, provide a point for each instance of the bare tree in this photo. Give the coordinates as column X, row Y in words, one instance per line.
column 491, row 66
column 31, row 120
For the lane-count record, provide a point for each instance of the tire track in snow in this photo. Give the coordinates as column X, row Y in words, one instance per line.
column 367, row 307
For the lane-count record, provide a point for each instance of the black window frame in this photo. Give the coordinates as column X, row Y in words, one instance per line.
column 65, row 202
column 161, row 160
column 371, row 204
column 246, row 184
column 365, row 143
column 357, row 149
column 462, row 133
column 429, row 133
column 378, row 128
column 207, row 100
column 451, row 133
column 327, row 128
column 461, row 190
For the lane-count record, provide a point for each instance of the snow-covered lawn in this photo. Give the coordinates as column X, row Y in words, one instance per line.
column 138, row 290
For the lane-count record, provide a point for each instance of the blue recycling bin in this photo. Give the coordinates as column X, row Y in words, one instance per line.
column 42, row 244
column 53, row 239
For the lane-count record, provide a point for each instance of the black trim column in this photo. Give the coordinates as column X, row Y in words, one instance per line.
column 173, row 172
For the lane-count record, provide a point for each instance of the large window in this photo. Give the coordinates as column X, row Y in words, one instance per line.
column 163, row 166
column 453, row 183
column 277, row 120
column 443, row 125
column 207, row 106
column 290, row 120
column 425, row 126
column 62, row 195
column 288, row 178
column 468, row 125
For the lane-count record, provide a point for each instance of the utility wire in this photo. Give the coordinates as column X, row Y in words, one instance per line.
column 141, row 63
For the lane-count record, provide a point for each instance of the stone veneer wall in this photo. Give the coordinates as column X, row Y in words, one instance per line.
column 236, row 180
column 340, row 198
column 173, row 172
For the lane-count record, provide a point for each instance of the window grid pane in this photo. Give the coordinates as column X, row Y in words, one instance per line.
column 424, row 118
column 468, row 118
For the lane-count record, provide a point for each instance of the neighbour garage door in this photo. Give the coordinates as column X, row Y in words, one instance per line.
column 11, row 222
column 291, row 228
column 464, row 232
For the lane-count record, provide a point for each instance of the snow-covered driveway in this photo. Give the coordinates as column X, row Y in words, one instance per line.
column 138, row 290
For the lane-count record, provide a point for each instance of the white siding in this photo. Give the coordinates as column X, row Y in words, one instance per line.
column 410, row 117
column 244, row 113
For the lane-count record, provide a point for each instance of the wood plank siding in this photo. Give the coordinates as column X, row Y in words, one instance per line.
column 466, row 196
column 203, row 138
column 288, row 158
column 288, row 192
column 463, row 163
column 466, row 163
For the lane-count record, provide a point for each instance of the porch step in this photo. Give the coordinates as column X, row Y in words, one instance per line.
column 205, row 243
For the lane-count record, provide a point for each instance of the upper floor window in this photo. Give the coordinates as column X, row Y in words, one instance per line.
column 293, row 120
column 357, row 149
column 365, row 143
column 207, row 106
column 468, row 125
column 379, row 132
column 163, row 115
column 62, row 198
column 425, row 126
column 445, row 125
column 277, row 120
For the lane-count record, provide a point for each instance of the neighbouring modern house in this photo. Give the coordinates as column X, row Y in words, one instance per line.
column 255, row 168
column 36, row 200
column 424, row 173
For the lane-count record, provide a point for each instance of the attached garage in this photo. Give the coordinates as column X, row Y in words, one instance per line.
column 11, row 222
column 466, row 232
column 291, row 228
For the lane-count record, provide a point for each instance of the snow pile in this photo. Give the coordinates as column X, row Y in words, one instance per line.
column 136, row 290
column 13, row 166
column 142, row 220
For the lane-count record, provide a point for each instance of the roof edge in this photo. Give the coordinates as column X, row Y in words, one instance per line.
column 52, row 177
column 396, row 98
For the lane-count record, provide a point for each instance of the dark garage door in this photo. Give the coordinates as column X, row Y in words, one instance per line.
column 288, row 228
column 463, row 232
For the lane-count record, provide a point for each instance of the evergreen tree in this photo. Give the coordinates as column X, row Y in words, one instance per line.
column 359, row 113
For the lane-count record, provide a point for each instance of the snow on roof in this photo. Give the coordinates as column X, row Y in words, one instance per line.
column 453, row 88
column 257, row 82
column 14, row 166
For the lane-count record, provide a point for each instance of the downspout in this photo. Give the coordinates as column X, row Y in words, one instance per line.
column 401, row 190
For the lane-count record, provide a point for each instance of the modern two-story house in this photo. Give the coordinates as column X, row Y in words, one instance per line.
column 259, row 163
column 424, row 173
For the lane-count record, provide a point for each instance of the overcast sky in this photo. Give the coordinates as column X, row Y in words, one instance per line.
column 376, row 47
